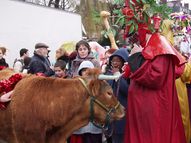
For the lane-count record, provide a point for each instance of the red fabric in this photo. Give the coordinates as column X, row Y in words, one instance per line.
column 179, row 70
column 2, row 67
column 153, row 114
column 7, row 85
column 142, row 31
column 127, row 71
column 159, row 45
column 76, row 139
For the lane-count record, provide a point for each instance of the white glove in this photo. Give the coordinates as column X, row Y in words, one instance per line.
column 6, row 97
column 136, row 49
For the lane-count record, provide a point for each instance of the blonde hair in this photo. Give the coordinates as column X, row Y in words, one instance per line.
column 60, row 52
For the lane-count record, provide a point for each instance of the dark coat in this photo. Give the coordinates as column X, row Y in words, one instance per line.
column 3, row 63
column 40, row 64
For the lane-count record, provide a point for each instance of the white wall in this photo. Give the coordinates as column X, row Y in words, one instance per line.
column 22, row 25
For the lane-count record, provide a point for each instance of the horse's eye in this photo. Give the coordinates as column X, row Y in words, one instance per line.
column 109, row 93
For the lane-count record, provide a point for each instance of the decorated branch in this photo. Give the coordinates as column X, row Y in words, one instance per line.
column 105, row 15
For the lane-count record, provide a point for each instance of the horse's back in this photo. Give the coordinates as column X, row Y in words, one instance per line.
column 6, row 73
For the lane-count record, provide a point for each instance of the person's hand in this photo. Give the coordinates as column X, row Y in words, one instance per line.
column 6, row 97
column 114, row 70
column 135, row 49
column 126, row 70
column 124, row 66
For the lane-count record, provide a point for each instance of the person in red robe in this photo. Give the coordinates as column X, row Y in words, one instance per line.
column 153, row 112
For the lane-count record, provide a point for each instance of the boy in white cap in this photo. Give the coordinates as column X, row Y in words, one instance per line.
column 88, row 133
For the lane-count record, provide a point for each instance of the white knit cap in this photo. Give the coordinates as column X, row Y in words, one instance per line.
column 85, row 64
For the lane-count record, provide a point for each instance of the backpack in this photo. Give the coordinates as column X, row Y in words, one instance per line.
column 19, row 60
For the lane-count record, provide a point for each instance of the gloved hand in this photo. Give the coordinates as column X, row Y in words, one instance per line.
column 136, row 49
column 126, row 70
column 6, row 97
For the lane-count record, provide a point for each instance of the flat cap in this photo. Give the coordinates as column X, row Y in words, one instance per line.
column 41, row 45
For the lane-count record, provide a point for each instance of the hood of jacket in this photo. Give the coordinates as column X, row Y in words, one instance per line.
column 122, row 53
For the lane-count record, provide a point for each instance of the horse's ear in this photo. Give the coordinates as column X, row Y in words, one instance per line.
column 93, row 73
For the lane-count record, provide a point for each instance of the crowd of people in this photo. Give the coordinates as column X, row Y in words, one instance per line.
column 69, row 66
column 153, row 88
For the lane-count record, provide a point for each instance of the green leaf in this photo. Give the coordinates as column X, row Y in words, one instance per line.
column 122, row 21
column 105, row 35
column 143, row 1
column 118, row 2
column 119, row 19
column 114, row 32
column 136, row 26
column 130, row 22
column 131, row 30
column 132, row 7
column 116, row 11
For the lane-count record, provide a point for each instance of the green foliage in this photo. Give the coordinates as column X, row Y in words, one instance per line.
column 119, row 17
column 147, row 8
column 105, row 33
column 154, row 8
column 118, row 2
column 131, row 29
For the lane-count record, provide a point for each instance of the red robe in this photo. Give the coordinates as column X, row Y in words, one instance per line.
column 153, row 113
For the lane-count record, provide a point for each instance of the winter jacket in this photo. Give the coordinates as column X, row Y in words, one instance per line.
column 40, row 64
column 3, row 63
column 76, row 63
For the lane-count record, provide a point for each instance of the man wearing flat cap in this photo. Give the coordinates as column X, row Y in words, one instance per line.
column 39, row 63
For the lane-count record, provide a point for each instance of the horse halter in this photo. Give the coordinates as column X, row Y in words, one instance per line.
column 100, row 104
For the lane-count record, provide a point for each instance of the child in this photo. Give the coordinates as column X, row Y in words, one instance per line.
column 60, row 69
column 88, row 133
column 83, row 54
column 120, row 88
